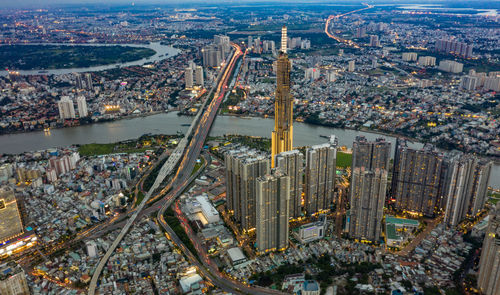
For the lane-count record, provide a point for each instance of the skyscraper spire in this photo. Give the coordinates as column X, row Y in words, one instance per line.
column 284, row 39
column 283, row 104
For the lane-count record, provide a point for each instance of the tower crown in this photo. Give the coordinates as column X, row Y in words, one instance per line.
column 284, row 39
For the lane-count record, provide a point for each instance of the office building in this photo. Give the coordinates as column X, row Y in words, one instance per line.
column 370, row 163
column 273, row 197
column 243, row 167
column 188, row 77
column 313, row 231
column 81, row 103
column 488, row 281
column 351, row 67
column 467, row 193
column 13, row 279
column 450, row 66
column 11, row 224
column 291, row 163
column 320, row 176
column 427, row 61
column 198, row 76
column 416, row 179
column 66, row 108
column 409, row 56
column 282, row 136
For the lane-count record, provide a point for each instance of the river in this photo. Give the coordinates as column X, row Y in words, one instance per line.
column 170, row 123
column 162, row 52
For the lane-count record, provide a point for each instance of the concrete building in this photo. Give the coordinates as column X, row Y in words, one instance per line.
column 427, row 61
column 198, row 76
column 368, row 189
column 273, row 197
column 374, row 41
column 312, row 231
column 467, row 192
column 292, row 164
column 489, row 266
column 450, row 66
column 243, row 167
column 11, row 224
column 351, row 67
column 82, row 106
column 409, row 56
column 370, row 163
column 320, row 176
column 66, row 108
column 188, row 77
column 416, row 179
column 88, row 81
column 13, row 280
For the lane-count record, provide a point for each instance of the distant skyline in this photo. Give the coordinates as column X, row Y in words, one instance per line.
column 47, row 3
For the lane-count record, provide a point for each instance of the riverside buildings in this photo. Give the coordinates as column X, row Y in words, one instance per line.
column 273, row 197
column 282, row 136
column 243, row 167
column 467, row 192
column 291, row 163
column 489, row 265
column 66, row 108
column 320, row 176
column 370, row 163
column 416, row 179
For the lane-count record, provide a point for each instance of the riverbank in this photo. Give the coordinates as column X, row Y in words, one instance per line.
column 495, row 159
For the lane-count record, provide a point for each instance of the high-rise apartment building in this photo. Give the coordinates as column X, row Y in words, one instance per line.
column 291, row 163
column 450, row 66
column 427, row 61
column 320, row 176
column 188, row 77
column 82, row 106
column 66, row 108
column 78, row 80
column 371, row 154
column 273, row 197
column 198, row 76
column 368, row 188
column 370, row 163
column 416, row 179
column 454, row 47
column 374, row 41
column 88, row 81
column 282, row 136
column 467, row 192
column 489, row 265
column 243, row 167
column 11, row 224
column 409, row 56
column 351, row 66
column 13, row 280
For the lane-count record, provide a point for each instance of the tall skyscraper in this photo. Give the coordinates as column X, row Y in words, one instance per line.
column 370, row 163
column 273, row 197
column 13, row 280
column 416, row 179
column 198, row 76
column 371, row 154
column 320, row 176
column 66, row 108
column 11, row 224
column 368, row 189
column 282, row 136
column 489, row 265
column 243, row 167
column 292, row 163
column 82, row 106
column 467, row 191
column 188, row 77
